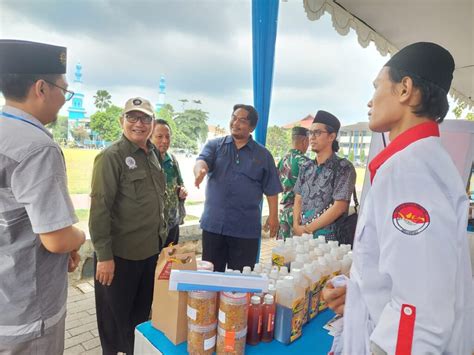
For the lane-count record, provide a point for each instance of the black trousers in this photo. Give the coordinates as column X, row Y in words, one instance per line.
column 173, row 236
column 125, row 303
column 235, row 252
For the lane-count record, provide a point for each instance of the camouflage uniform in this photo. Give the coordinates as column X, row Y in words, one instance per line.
column 289, row 167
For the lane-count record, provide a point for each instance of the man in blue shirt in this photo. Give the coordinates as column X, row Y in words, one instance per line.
column 239, row 172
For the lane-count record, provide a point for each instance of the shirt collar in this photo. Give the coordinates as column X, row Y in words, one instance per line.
column 134, row 147
column 423, row 130
column 328, row 160
column 167, row 157
column 17, row 112
column 250, row 143
column 297, row 151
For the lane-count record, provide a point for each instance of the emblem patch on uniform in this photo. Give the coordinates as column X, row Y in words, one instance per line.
column 131, row 163
column 137, row 102
column 410, row 218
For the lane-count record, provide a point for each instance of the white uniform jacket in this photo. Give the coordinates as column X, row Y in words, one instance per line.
column 411, row 281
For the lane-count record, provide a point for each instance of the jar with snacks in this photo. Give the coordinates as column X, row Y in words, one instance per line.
column 202, row 339
column 202, row 307
column 233, row 310
column 230, row 342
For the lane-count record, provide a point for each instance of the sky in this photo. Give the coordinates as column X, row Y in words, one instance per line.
column 204, row 51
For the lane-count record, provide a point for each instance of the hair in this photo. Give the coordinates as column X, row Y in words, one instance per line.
column 335, row 143
column 163, row 122
column 434, row 100
column 16, row 86
column 253, row 115
column 298, row 138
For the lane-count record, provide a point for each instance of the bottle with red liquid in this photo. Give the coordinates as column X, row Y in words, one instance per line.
column 268, row 318
column 254, row 323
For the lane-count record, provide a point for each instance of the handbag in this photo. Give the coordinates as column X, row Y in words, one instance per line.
column 345, row 226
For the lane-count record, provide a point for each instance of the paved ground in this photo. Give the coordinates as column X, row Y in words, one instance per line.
column 81, row 327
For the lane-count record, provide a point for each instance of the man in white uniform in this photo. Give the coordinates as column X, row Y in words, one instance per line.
column 410, row 290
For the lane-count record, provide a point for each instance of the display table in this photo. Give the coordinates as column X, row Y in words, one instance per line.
column 315, row 340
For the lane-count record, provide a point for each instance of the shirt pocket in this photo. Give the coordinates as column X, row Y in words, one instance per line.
column 135, row 184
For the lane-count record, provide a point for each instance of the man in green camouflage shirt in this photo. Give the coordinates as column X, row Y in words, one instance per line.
column 289, row 167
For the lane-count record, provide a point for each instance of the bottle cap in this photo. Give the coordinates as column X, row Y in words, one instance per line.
column 268, row 299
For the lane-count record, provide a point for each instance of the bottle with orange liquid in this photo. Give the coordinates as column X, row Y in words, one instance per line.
column 268, row 318
column 254, row 324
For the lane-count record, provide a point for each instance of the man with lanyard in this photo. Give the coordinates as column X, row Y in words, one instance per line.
column 239, row 171
column 410, row 290
column 127, row 228
column 289, row 168
column 324, row 186
column 38, row 243
column 175, row 190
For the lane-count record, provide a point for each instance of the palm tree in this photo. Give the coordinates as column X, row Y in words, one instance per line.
column 102, row 100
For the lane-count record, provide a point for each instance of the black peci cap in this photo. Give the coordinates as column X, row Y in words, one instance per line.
column 24, row 57
column 327, row 119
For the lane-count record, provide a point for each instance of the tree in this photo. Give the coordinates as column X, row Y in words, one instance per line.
column 193, row 123
column 362, row 155
column 350, row 157
column 107, row 124
column 459, row 109
column 278, row 141
column 59, row 129
column 79, row 134
column 102, row 100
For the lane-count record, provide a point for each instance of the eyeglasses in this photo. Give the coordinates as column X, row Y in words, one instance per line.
column 68, row 94
column 240, row 119
column 133, row 119
column 316, row 133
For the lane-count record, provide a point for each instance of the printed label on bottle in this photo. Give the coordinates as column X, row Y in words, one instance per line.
column 209, row 343
column 322, row 304
column 278, row 260
column 221, row 317
column 297, row 319
column 229, row 341
column 192, row 313
column 259, row 329
column 306, row 306
column 271, row 322
column 314, row 299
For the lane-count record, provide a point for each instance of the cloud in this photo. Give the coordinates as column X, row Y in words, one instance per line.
column 204, row 50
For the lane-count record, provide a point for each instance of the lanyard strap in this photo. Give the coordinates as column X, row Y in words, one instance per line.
column 18, row 118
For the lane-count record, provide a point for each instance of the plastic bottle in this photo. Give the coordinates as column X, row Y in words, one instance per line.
column 283, row 271
column 268, row 318
column 303, row 283
column 279, row 257
column 322, row 239
column 289, row 311
column 246, row 270
column 258, row 268
column 273, row 275
column 346, row 265
column 333, row 243
column 325, row 274
column 272, row 290
column 298, row 263
column 313, row 276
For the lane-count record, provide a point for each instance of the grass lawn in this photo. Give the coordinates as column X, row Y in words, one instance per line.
column 79, row 163
column 82, row 214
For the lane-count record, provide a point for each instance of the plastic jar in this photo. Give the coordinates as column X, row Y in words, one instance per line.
column 230, row 342
column 204, row 265
column 202, row 339
column 202, row 307
column 233, row 311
